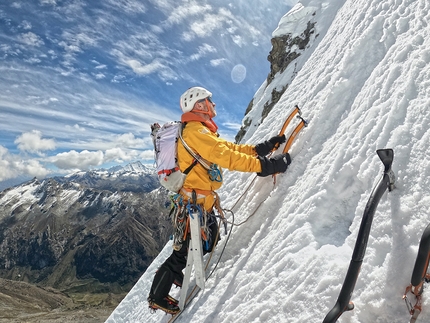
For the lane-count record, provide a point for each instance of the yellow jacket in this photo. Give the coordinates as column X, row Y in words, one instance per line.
column 214, row 150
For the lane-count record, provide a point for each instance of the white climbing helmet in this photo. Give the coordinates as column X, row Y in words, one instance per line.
column 191, row 96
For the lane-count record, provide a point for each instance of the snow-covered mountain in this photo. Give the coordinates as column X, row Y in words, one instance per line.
column 362, row 82
column 133, row 177
column 13, row 182
column 80, row 232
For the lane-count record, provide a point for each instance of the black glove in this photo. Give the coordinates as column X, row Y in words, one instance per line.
column 266, row 147
column 277, row 164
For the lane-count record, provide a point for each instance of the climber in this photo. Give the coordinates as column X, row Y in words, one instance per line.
column 199, row 188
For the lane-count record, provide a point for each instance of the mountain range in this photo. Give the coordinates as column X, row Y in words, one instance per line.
column 90, row 232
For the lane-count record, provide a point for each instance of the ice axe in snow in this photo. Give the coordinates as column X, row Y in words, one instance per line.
column 343, row 302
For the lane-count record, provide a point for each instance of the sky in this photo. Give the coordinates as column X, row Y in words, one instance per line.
column 363, row 85
column 81, row 81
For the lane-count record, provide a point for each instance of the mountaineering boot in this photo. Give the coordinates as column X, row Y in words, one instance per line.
column 167, row 304
column 172, row 300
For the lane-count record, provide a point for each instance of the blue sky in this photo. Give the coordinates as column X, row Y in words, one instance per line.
column 81, row 81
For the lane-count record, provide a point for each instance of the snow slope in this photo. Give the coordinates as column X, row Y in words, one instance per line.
column 365, row 86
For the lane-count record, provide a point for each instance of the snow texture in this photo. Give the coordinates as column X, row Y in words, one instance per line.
column 364, row 85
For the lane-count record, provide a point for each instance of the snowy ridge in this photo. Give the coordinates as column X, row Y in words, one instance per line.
column 363, row 87
column 132, row 169
column 294, row 23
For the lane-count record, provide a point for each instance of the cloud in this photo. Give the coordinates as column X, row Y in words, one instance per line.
column 129, row 6
column 232, row 126
column 146, row 69
column 48, row 2
column 25, row 25
column 147, row 155
column 73, row 160
column 184, row 12
column 33, row 142
column 76, row 127
column 12, row 166
column 119, row 155
column 238, row 40
column 31, row 39
column 145, row 54
column 223, row 20
column 118, row 149
column 81, row 160
column 33, row 168
column 204, row 27
column 129, row 140
column 218, row 62
column 99, row 76
column 202, row 51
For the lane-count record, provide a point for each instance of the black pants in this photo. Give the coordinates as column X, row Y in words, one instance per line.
column 172, row 268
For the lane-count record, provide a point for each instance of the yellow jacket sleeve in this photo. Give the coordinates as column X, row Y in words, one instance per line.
column 215, row 151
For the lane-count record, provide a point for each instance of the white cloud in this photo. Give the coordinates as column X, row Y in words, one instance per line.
column 147, row 155
column 84, row 38
column 12, row 166
column 184, row 12
column 99, row 76
column 232, row 126
column 33, row 168
column 81, row 160
column 31, row 39
column 76, row 127
column 156, row 29
column 205, row 27
column 130, row 6
column 32, row 60
column 25, row 25
column 238, row 40
column 119, row 155
column 141, row 69
column 219, row 61
column 129, row 140
column 224, row 22
column 85, row 159
column 118, row 79
column 202, row 51
column 70, row 48
column 48, row 2
column 33, row 142
column 118, row 150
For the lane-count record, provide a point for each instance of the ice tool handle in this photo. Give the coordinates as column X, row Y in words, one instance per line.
column 343, row 302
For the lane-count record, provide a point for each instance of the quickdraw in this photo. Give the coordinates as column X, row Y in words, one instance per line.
column 215, row 173
column 419, row 276
column 414, row 310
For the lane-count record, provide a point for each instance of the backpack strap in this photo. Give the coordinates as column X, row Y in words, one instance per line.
column 197, row 158
column 189, row 168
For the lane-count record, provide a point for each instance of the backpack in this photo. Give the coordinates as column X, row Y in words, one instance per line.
column 165, row 140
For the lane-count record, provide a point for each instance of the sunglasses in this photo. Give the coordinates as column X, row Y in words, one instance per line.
column 203, row 100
